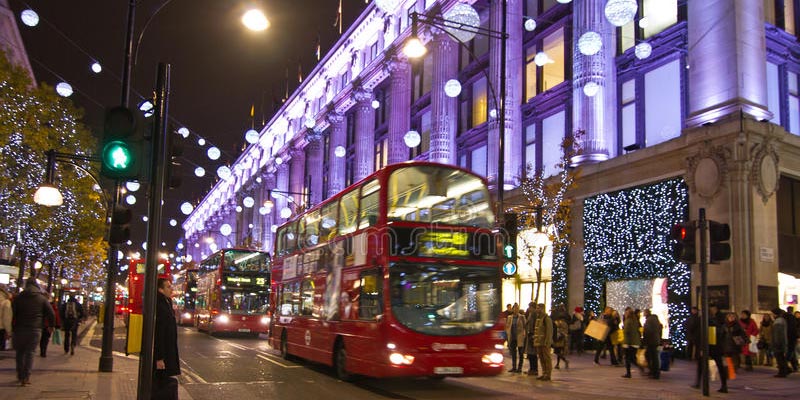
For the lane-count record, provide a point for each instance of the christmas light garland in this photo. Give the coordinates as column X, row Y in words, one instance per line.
column 626, row 235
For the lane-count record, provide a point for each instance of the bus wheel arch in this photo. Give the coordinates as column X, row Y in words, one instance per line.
column 340, row 360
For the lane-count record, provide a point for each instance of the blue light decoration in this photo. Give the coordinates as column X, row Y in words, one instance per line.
column 626, row 236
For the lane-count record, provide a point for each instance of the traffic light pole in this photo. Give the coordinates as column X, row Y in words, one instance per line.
column 704, row 331
column 106, row 352
column 157, row 177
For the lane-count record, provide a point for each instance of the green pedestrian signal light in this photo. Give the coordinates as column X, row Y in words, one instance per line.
column 123, row 137
column 117, row 156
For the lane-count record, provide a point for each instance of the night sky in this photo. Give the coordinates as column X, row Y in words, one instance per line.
column 219, row 70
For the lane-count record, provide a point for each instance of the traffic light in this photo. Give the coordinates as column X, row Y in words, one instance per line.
column 510, row 237
column 684, row 250
column 122, row 144
column 719, row 234
column 120, row 232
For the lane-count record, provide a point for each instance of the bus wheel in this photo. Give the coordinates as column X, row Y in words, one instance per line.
column 285, row 347
column 340, row 362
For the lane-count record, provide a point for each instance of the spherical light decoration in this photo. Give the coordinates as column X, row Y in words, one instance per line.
column 183, row 131
column 64, row 89
column 248, row 202
column 493, row 113
column 144, row 245
column 386, row 5
column 530, row 25
column 225, row 229
column 376, row 104
column 644, row 22
column 452, row 88
column 541, row 58
column 309, row 122
column 224, row 172
column 238, row 209
column 620, row 12
column 590, row 43
column 173, row 222
column 132, row 186
column 590, row 89
column 643, row 50
column 212, row 247
column 286, row 212
column 201, row 142
column 251, row 136
column 278, row 161
column 213, row 153
column 186, row 208
column 339, row 151
column 29, row 17
column 250, row 226
column 144, row 218
column 130, row 199
column 263, row 210
column 273, row 228
column 96, row 67
column 412, row 138
column 462, row 15
column 255, row 20
column 200, row 172
column 564, row 1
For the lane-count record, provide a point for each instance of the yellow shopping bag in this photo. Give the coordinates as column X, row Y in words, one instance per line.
column 712, row 335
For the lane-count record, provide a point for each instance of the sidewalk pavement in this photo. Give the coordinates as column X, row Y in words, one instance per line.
column 71, row 377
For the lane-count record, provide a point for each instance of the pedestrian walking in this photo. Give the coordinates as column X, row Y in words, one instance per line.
column 792, row 325
column 692, row 326
column 780, row 342
column 515, row 332
column 632, row 340
column 31, row 310
column 48, row 329
column 608, row 319
column 651, row 340
column 560, row 331
column 765, row 341
column 166, row 361
column 6, row 316
column 543, row 340
column 736, row 338
column 751, row 331
column 715, row 351
column 576, row 327
column 71, row 316
column 530, row 349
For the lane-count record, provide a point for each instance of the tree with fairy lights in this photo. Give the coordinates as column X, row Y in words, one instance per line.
column 547, row 212
column 70, row 238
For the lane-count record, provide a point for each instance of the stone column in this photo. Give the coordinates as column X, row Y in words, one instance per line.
column 268, row 182
column 400, row 114
column 727, row 60
column 595, row 115
column 444, row 108
column 297, row 175
column 338, row 138
column 315, row 160
column 365, row 134
column 282, row 185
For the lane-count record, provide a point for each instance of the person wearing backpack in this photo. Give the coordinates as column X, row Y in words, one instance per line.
column 71, row 315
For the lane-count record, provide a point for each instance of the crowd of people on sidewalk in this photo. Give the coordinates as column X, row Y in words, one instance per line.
column 33, row 319
column 635, row 340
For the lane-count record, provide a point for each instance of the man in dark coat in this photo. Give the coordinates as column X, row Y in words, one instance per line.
column 652, row 339
column 693, row 334
column 71, row 314
column 31, row 310
column 165, row 345
column 791, row 337
column 715, row 351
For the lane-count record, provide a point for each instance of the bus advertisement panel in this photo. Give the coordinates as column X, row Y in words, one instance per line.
column 233, row 292
column 398, row 275
column 184, row 294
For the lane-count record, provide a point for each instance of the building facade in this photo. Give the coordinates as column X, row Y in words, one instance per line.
column 682, row 105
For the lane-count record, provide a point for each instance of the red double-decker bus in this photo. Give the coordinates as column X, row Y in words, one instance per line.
column 184, row 294
column 397, row 275
column 136, row 282
column 233, row 292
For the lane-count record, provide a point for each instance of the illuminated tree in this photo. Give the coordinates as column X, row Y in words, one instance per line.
column 32, row 121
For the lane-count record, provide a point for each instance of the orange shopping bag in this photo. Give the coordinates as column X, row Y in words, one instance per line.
column 731, row 369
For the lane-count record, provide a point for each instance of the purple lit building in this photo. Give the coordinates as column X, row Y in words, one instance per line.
column 687, row 104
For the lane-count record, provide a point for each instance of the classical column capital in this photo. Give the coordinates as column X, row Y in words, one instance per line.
column 334, row 118
column 362, row 95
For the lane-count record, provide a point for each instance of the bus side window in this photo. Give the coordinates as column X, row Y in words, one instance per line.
column 328, row 225
column 306, row 297
column 369, row 301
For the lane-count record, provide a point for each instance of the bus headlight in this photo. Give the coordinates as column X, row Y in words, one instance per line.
column 223, row 319
column 493, row 358
column 264, row 320
column 187, row 315
column 401, row 359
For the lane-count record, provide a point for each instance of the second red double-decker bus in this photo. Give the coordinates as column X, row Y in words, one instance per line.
column 233, row 292
column 397, row 275
column 184, row 294
column 136, row 276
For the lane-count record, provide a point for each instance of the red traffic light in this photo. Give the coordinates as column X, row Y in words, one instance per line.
column 683, row 233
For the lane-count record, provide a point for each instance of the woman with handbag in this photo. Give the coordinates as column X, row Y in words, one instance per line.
column 751, row 330
column 736, row 339
column 765, row 341
column 632, row 341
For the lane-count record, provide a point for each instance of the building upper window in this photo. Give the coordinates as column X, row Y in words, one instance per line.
column 662, row 91
column 780, row 13
column 554, row 129
column 553, row 71
column 479, row 102
column 653, row 17
column 535, row 7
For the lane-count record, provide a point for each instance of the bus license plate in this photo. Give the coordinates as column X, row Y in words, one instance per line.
column 448, row 370
column 244, row 330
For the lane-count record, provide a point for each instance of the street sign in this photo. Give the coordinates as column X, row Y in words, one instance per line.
column 509, row 268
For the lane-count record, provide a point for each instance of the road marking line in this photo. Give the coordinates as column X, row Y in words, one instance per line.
column 265, row 358
column 191, row 373
column 239, row 346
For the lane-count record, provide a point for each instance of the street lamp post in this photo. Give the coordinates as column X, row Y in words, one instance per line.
column 415, row 49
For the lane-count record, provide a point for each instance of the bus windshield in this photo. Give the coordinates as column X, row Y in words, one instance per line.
column 245, row 261
column 445, row 299
column 439, row 195
column 244, row 300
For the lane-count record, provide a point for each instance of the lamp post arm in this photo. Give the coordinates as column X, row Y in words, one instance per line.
column 53, row 156
column 144, row 28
